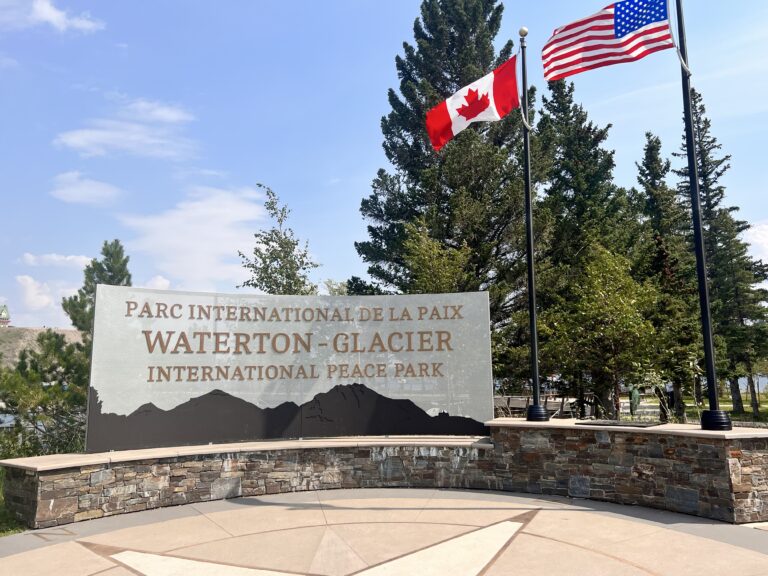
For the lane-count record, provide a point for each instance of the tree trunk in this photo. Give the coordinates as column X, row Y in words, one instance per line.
column 616, row 401
column 754, row 401
column 604, row 402
column 679, row 408
column 738, row 403
column 697, row 391
column 663, row 408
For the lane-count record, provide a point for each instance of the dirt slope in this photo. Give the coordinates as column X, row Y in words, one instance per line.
column 14, row 340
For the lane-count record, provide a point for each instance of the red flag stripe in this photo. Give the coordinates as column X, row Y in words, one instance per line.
column 600, row 50
column 608, row 62
column 598, row 42
column 603, row 30
column 604, row 14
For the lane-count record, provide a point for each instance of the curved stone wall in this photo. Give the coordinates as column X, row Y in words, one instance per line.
column 718, row 475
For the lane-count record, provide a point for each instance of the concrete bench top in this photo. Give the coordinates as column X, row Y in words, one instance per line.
column 63, row 461
column 693, row 430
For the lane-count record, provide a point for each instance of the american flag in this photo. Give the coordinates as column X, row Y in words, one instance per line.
column 622, row 32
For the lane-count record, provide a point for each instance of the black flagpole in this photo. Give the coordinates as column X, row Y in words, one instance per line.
column 536, row 412
column 714, row 418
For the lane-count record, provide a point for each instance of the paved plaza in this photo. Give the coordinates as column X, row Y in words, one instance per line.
column 377, row 532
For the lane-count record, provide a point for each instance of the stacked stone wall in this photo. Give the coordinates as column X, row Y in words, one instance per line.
column 704, row 475
column 722, row 479
column 44, row 499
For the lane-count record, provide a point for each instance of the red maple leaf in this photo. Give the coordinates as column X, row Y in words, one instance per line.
column 474, row 105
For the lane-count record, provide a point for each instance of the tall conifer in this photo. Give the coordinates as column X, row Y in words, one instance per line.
column 469, row 194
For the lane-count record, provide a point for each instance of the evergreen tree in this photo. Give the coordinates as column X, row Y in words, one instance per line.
column 672, row 270
column 737, row 301
column 280, row 265
column 603, row 332
column 112, row 269
column 434, row 268
column 47, row 392
column 470, row 194
column 580, row 197
column 585, row 209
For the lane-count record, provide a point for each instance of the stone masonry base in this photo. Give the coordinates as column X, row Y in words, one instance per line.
column 718, row 475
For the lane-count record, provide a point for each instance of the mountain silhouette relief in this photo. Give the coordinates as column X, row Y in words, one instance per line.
column 218, row 417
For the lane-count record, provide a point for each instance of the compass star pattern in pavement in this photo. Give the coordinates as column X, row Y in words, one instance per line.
column 391, row 532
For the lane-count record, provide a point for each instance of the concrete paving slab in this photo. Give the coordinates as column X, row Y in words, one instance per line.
column 392, row 531
column 533, row 556
column 281, row 550
column 268, row 518
column 162, row 536
column 685, row 555
column 154, row 565
column 376, row 543
column 334, row 557
column 68, row 559
column 373, row 510
column 466, row 555
column 570, row 526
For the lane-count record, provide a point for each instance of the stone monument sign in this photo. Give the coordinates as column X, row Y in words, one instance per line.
column 192, row 368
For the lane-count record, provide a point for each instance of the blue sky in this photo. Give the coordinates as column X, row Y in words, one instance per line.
column 153, row 122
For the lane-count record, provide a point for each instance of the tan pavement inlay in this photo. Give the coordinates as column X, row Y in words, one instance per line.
column 163, row 536
column 68, row 559
column 395, row 533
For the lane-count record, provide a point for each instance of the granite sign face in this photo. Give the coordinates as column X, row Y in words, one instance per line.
column 192, row 368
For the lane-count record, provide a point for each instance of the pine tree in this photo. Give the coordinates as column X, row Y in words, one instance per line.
column 671, row 268
column 603, row 330
column 47, row 392
column 585, row 210
column 471, row 192
column 112, row 269
column 738, row 314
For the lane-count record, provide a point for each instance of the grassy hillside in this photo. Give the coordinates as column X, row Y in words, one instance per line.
column 14, row 340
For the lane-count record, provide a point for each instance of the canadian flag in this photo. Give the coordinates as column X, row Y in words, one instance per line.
column 485, row 100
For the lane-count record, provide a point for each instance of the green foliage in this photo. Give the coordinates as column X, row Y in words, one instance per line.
column 668, row 263
column 603, row 332
column 112, row 269
column 47, row 395
column 47, row 391
column 434, row 268
column 8, row 523
column 737, row 300
column 335, row 288
column 356, row 286
column 280, row 265
column 470, row 194
column 454, row 221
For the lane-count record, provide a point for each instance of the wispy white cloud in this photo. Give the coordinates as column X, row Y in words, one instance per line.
column 158, row 283
column 41, row 303
column 35, row 295
column 102, row 137
column 19, row 14
column 43, row 11
column 58, row 260
column 140, row 127
column 72, row 187
column 757, row 237
column 143, row 110
column 186, row 173
column 196, row 242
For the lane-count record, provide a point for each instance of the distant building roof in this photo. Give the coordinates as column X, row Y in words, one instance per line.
column 5, row 316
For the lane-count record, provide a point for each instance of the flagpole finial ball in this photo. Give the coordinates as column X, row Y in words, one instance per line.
column 523, row 32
